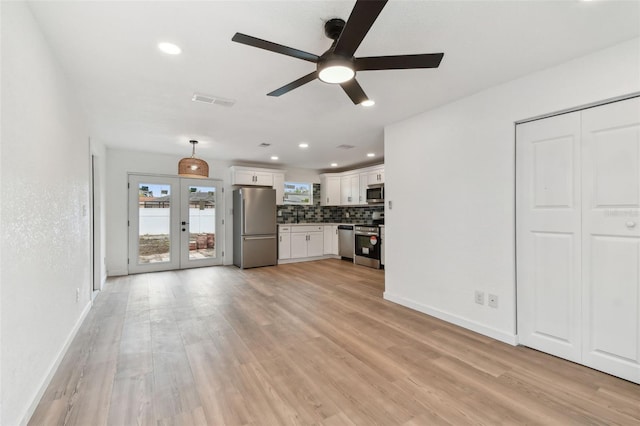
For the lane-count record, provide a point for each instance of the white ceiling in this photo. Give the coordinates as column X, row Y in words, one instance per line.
column 136, row 97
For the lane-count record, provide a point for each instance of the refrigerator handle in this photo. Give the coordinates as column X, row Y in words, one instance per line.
column 259, row 238
column 243, row 216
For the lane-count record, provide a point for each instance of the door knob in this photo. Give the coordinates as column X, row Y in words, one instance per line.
column 631, row 224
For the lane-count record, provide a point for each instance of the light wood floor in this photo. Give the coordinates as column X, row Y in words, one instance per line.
column 305, row 343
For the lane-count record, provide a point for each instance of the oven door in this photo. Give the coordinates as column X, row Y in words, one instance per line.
column 367, row 249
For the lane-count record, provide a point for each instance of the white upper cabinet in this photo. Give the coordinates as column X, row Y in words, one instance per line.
column 252, row 176
column 350, row 189
column 330, row 190
column 375, row 177
column 278, row 185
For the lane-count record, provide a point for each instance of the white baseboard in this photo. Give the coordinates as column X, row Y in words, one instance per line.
column 510, row 339
column 117, row 272
column 54, row 366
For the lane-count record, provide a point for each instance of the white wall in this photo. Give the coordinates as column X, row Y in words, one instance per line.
column 450, row 174
column 301, row 175
column 119, row 164
column 46, row 253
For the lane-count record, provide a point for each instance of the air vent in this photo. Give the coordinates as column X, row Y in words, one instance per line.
column 264, row 145
column 214, row 100
column 344, row 146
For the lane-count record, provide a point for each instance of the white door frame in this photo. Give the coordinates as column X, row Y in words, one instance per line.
column 179, row 245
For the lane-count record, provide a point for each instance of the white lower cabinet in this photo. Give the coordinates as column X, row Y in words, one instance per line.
column 284, row 242
column 331, row 239
column 307, row 241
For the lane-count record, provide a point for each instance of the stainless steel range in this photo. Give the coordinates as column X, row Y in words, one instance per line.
column 367, row 245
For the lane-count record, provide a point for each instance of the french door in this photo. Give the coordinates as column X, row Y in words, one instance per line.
column 174, row 223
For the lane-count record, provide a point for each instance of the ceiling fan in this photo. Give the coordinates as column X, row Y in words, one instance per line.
column 338, row 65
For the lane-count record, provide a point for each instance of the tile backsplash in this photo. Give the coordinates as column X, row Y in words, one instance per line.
column 319, row 214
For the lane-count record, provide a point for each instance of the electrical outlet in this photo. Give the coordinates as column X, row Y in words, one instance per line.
column 480, row 297
column 493, row 300
column 77, row 294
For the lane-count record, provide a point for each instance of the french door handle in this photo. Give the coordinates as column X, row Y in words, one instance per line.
column 185, row 223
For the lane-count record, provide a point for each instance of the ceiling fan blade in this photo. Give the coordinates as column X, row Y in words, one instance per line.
column 362, row 17
column 274, row 47
column 354, row 91
column 294, row 84
column 399, row 62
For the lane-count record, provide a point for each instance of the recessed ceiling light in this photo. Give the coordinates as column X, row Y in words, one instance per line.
column 371, row 154
column 368, row 103
column 303, row 145
column 169, row 48
column 274, row 157
column 334, row 164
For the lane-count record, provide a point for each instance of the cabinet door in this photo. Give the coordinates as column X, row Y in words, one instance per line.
column 278, row 185
column 328, row 239
column 350, row 190
column 334, row 241
column 243, row 177
column 298, row 245
column 345, row 190
column 330, row 190
column 362, row 190
column 263, row 179
column 354, row 183
column 375, row 177
column 284, row 245
column 315, row 244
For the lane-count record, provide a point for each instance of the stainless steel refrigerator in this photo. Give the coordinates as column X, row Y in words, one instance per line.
column 255, row 231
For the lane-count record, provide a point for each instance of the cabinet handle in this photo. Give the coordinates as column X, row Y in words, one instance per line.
column 280, row 238
column 327, row 200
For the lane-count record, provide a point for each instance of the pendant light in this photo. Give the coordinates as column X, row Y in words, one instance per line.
column 193, row 167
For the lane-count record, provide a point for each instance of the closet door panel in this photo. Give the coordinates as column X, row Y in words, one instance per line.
column 549, row 235
column 611, row 238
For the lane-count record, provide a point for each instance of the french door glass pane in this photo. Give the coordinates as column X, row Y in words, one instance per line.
column 154, row 232
column 202, row 222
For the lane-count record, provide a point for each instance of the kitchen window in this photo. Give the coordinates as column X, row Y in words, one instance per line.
column 298, row 193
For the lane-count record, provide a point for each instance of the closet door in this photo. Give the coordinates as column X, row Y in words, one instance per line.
column 611, row 238
column 548, row 209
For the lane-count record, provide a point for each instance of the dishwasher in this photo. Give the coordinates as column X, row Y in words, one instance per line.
column 346, row 242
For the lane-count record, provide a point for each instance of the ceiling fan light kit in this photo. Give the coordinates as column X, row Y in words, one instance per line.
column 338, row 65
column 193, row 167
column 336, row 71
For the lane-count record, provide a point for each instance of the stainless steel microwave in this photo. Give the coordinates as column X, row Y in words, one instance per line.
column 375, row 194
